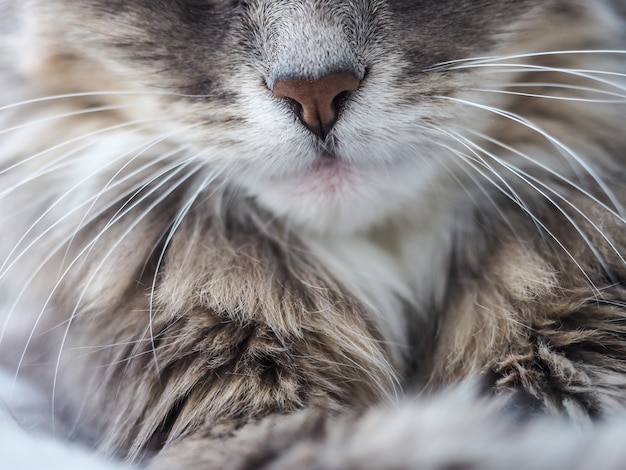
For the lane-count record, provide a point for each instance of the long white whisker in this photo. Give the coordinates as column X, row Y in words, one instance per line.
column 592, row 75
column 509, row 192
column 4, row 269
column 78, row 139
column 476, row 182
column 142, row 147
column 557, row 144
column 56, row 117
column 162, row 197
column 90, row 245
column 178, row 219
column 52, row 166
column 532, row 182
column 552, row 172
column 551, row 97
column 91, row 94
column 500, row 58
column 476, row 161
column 173, row 169
column 556, row 85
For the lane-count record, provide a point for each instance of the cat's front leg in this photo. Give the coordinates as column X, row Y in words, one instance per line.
column 537, row 306
column 229, row 326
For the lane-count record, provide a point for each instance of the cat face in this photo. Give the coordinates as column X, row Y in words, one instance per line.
column 328, row 112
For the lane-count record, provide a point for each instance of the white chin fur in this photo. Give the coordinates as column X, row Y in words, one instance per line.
column 347, row 204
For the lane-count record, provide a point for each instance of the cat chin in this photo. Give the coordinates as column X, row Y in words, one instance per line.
column 323, row 215
column 339, row 200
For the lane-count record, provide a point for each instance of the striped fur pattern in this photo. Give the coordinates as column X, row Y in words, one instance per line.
column 196, row 280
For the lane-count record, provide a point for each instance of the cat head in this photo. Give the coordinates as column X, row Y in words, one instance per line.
column 330, row 113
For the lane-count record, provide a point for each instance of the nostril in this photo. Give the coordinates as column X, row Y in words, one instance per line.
column 340, row 100
column 294, row 106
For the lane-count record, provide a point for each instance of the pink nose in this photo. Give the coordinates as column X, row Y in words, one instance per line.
column 317, row 101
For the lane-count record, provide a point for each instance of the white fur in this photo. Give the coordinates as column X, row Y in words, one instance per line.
column 26, row 440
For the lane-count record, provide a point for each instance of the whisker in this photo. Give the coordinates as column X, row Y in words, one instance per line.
column 78, row 139
column 499, row 58
column 529, row 180
column 477, row 159
column 177, row 221
column 92, row 200
column 509, row 192
column 90, row 245
column 589, row 74
column 92, row 94
column 66, row 240
column 144, row 148
column 174, row 169
column 56, row 117
column 565, row 86
column 53, row 252
column 550, row 171
column 55, row 165
column 551, row 97
column 578, row 188
column 162, row 197
column 566, row 151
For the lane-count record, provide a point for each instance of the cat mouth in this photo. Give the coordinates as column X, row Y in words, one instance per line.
column 328, row 173
column 329, row 162
column 326, row 160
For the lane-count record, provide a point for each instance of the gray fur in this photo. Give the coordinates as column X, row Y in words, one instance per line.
column 199, row 281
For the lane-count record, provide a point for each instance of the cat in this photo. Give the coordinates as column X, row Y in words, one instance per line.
column 318, row 233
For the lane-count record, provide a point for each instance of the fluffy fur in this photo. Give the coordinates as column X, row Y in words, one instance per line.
column 196, row 279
